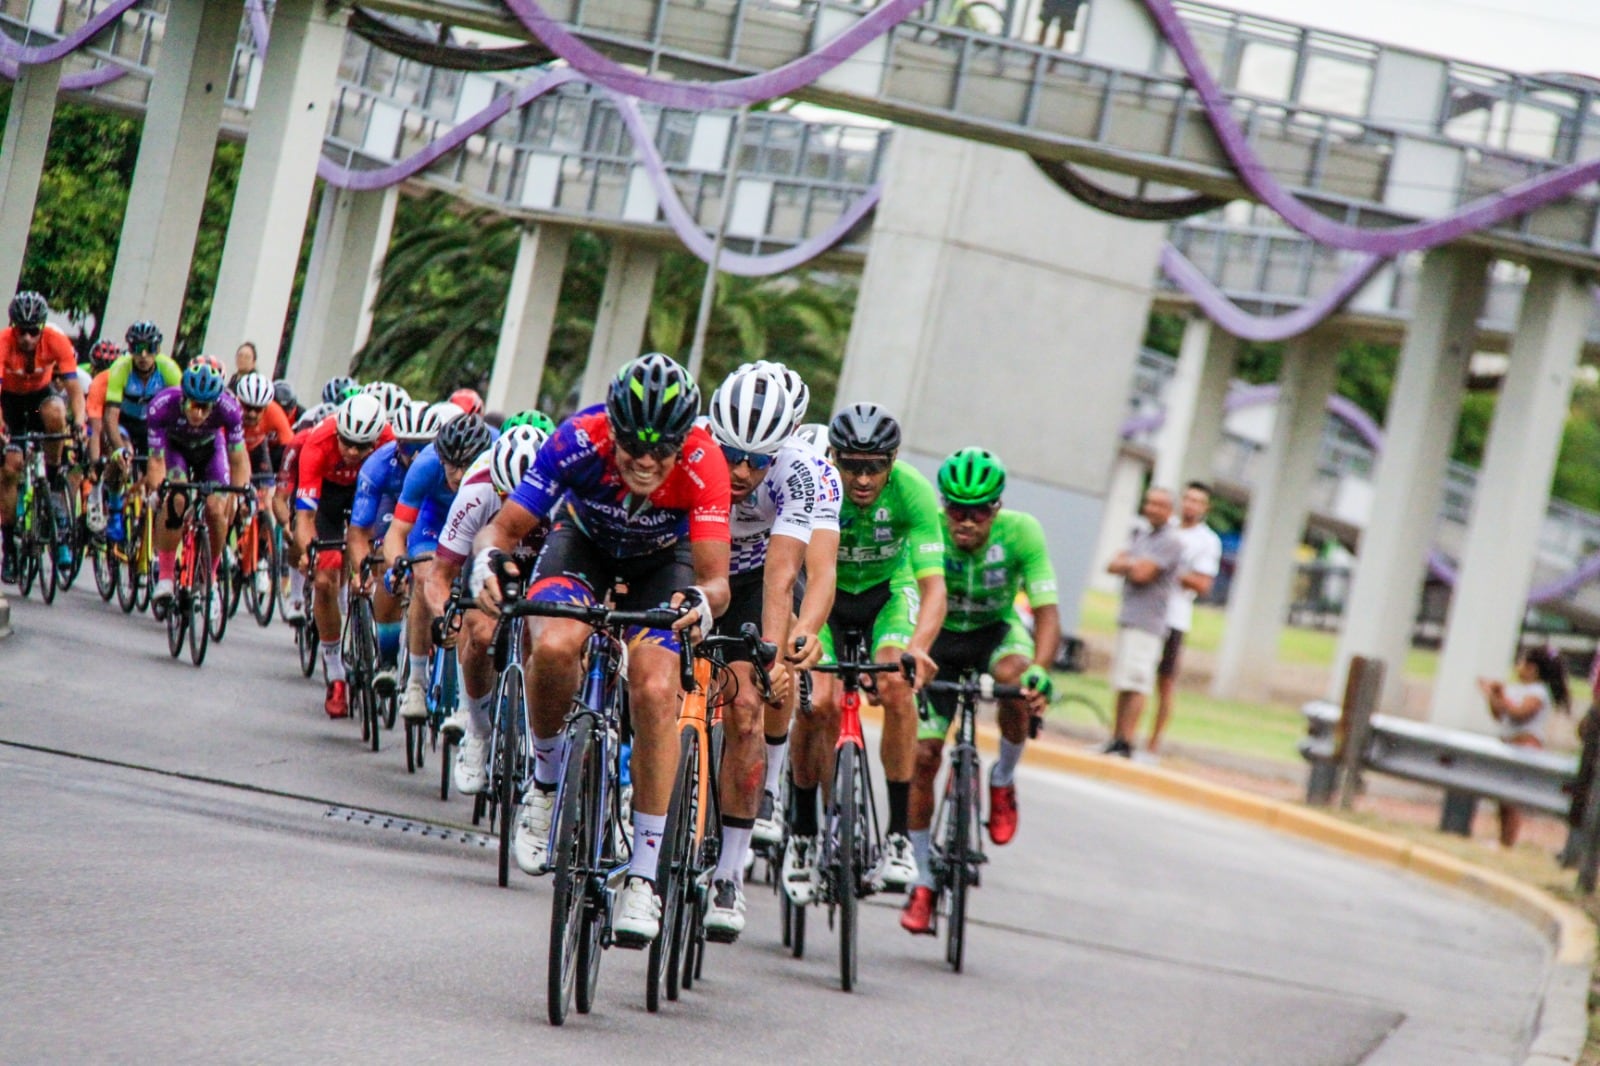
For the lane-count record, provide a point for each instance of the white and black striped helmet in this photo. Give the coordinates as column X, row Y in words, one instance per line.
column 753, row 410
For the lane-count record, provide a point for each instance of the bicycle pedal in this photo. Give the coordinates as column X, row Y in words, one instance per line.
column 629, row 941
column 722, row 936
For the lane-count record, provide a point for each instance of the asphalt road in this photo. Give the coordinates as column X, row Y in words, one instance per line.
column 173, row 887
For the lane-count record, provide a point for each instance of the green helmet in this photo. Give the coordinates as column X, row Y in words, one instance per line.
column 972, row 477
column 537, row 419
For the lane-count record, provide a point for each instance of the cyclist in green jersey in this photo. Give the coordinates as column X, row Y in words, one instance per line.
column 990, row 554
column 891, row 586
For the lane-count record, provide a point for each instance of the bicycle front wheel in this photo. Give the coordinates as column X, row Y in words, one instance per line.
column 202, row 594
column 106, row 573
column 507, row 763
column 261, row 587
column 306, row 643
column 46, row 538
column 958, row 872
column 577, row 807
column 675, row 867
column 846, row 871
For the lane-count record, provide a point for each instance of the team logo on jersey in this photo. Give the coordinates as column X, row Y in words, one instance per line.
column 882, row 533
column 995, row 554
column 882, row 515
column 696, row 455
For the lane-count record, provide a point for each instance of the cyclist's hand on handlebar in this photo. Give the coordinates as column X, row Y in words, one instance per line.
column 696, row 617
column 1038, row 687
column 393, row 581
column 782, row 678
column 484, row 584
column 926, row 668
column 806, row 653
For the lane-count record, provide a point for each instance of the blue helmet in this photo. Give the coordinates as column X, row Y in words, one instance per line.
column 202, row 383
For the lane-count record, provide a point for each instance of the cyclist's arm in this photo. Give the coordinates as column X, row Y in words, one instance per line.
column 710, row 558
column 238, row 466
column 436, row 583
column 394, row 541
column 357, row 545
column 784, row 558
column 155, row 470
column 75, row 397
column 930, row 614
column 1046, row 634
column 822, row 573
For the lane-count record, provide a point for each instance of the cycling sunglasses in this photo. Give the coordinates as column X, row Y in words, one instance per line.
column 750, row 459
column 875, row 465
column 963, row 513
column 141, row 349
column 657, row 450
column 196, row 405
column 29, row 331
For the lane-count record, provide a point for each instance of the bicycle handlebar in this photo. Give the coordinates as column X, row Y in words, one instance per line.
column 38, row 438
column 762, row 654
column 906, row 667
column 982, row 687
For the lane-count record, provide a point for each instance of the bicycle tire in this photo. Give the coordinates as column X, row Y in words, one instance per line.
column 200, row 598
column 128, row 587
column 223, row 588
column 846, row 875
column 505, row 775
column 576, row 801
column 306, row 643
column 74, row 537
column 411, row 741
column 145, row 554
column 673, row 870
column 106, row 573
column 264, row 575
column 177, row 622
column 963, row 816
column 447, row 763
column 27, row 556
column 44, row 531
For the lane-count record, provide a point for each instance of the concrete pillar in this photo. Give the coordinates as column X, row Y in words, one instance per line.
column 620, row 322
column 298, row 79
column 335, row 316
column 1195, row 404
column 995, row 311
column 529, row 317
column 1123, row 497
column 176, row 148
column 1409, row 482
column 27, row 135
column 1258, row 599
column 1512, row 495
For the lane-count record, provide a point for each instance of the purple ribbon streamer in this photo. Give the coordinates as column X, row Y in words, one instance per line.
column 704, row 95
column 259, row 33
column 1225, row 313
column 49, row 53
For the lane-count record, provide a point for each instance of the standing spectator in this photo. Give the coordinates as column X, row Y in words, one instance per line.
column 1149, row 571
column 1589, row 735
column 1202, row 558
column 1523, row 709
column 1063, row 14
column 244, row 362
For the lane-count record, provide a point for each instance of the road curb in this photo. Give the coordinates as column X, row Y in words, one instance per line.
column 1562, row 1025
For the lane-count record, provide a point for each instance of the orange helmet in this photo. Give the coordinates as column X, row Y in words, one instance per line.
column 468, row 400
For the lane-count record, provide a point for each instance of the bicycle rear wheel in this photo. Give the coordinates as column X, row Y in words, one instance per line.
column 306, row 643
column 958, row 871
column 128, row 586
column 261, row 589
column 75, row 537
column 848, row 869
column 674, row 868
column 226, row 591
column 201, row 596
column 506, row 762
column 577, row 805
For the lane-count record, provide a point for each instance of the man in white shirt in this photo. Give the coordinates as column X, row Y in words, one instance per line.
column 1202, row 557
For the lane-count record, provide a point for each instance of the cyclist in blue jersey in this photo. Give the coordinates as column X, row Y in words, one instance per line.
column 377, row 490
column 425, row 498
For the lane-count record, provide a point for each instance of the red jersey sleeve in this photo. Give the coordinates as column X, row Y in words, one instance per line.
column 314, row 463
column 59, row 353
column 710, row 499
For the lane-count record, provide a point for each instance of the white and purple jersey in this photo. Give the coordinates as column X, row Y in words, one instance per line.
column 474, row 507
column 799, row 495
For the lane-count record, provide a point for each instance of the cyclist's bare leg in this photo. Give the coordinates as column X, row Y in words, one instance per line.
column 10, row 478
column 557, row 652
column 919, row 812
column 653, row 692
column 53, row 413
column 812, row 739
column 1013, row 714
column 325, row 604
column 419, row 618
column 898, row 745
column 219, row 514
column 744, row 753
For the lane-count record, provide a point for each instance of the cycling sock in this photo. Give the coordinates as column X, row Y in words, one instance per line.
column 344, row 599
column 166, row 565
column 899, row 799
column 297, row 587
column 419, row 668
column 803, row 815
column 777, row 748
column 479, row 722
column 388, row 644
column 333, row 660
column 735, row 842
column 547, row 755
column 1005, row 767
column 648, row 829
column 921, row 846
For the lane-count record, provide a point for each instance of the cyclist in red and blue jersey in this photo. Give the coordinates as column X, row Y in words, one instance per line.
column 196, row 430
column 640, row 493
column 378, row 487
column 425, row 498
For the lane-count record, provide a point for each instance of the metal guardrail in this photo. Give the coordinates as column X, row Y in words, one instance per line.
column 1460, row 762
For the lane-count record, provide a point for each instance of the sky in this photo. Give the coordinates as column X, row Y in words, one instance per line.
column 1530, row 36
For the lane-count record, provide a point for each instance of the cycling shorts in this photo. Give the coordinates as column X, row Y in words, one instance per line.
column 21, row 410
column 202, row 462
column 744, row 605
column 979, row 650
column 571, row 569
column 887, row 610
column 332, row 516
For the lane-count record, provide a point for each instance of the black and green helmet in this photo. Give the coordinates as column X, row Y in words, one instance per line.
column 531, row 417
column 652, row 401
column 972, row 477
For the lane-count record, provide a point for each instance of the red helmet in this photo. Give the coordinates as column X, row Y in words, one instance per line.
column 211, row 361
column 103, row 354
column 468, row 400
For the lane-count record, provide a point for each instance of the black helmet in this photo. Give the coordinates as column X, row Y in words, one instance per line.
column 144, row 334
column 463, row 439
column 865, row 428
column 28, row 309
column 283, row 393
column 652, row 400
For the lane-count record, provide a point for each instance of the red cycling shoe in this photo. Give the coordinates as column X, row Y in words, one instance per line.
column 917, row 918
column 337, row 703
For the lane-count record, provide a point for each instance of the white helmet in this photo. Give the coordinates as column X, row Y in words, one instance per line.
column 753, row 410
column 360, row 419
column 253, row 390
column 814, row 434
column 445, row 412
column 795, row 383
column 512, row 455
column 392, row 396
column 313, row 416
column 414, row 422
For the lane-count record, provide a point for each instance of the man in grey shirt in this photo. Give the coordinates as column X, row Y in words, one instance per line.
column 1149, row 571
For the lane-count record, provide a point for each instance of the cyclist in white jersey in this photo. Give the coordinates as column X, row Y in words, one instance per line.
column 483, row 489
column 785, row 518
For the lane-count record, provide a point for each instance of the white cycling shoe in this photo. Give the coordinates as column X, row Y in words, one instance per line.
column 472, row 766
column 725, row 920
column 455, row 727
column 800, row 870
column 162, row 593
column 638, row 919
column 531, row 844
column 898, row 866
column 414, row 704
column 768, row 829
